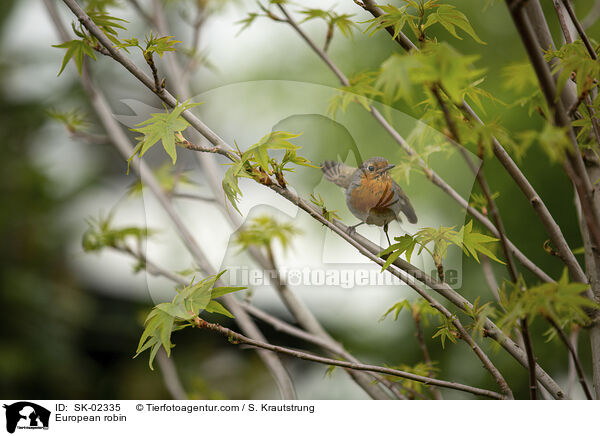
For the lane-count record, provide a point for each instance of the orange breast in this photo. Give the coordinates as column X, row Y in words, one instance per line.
column 372, row 193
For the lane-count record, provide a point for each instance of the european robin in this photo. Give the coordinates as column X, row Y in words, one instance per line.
column 371, row 194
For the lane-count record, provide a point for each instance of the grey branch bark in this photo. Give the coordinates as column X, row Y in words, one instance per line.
column 364, row 246
column 297, row 308
column 431, row 175
column 341, row 363
column 554, row 232
column 121, row 142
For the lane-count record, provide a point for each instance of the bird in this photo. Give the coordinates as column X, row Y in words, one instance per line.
column 371, row 194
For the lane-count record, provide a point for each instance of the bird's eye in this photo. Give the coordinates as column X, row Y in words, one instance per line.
column 371, row 168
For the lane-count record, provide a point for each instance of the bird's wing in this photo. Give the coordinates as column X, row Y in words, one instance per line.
column 405, row 205
column 337, row 172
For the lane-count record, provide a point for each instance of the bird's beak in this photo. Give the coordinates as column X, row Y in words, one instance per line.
column 384, row 169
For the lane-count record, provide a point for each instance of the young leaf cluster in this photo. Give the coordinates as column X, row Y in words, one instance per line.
column 561, row 301
column 256, row 163
column 470, row 241
column 263, row 230
column 77, row 49
column 101, row 234
column 165, row 318
column 164, row 127
column 419, row 15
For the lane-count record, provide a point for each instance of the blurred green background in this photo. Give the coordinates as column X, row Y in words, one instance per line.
column 70, row 330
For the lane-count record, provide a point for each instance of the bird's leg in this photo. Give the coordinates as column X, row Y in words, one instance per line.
column 385, row 230
column 352, row 229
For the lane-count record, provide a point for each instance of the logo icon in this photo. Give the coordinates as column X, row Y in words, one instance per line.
column 26, row 415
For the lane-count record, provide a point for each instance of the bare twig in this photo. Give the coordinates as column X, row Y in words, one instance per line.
column 573, row 164
column 238, row 338
column 170, row 376
column 121, row 142
column 573, row 352
column 302, row 314
column 365, row 247
column 554, row 231
column 423, row 346
column 580, row 29
column 510, row 264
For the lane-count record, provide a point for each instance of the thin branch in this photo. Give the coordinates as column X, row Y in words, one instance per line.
column 302, row 314
column 572, row 372
column 580, row 29
column 328, row 344
column 510, row 264
column 370, row 250
column 573, row 352
column 170, row 376
column 365, row 246
column 554, row 231
column 426, row 357
column 210, row 149
column 585, row 96
column 573, row 164
column 238, row 338
column 121, row 142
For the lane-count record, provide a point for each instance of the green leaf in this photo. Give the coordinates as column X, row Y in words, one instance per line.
column 108, row 24
column 473, row 242
column 562, row 301
column 397, row 308
column 160, row 45
column 247, row 22
column 263, row 230
column 162, row 127
column 277, row 140
column 392, row 17
column 451, row 18
column 446, row 331
column 165, row 318
column 74, row 120
column 76, row 49
column 216, row 307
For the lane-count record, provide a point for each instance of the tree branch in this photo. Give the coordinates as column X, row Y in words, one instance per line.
column 563, row 250
column 360, row 242
column 573, row 163
column 326, row 343
column 563, row 337
column 170, row 376
column 238, row 338
column 580, row 29
column 510, row 264
column 121, row 142
column 302, row 314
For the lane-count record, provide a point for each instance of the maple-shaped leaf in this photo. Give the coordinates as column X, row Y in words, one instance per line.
column 277, row 140
column 473, row 242
column 406, row 244
column 76, row 49
column 162, row 127
column 451, row 18
column 160, row 45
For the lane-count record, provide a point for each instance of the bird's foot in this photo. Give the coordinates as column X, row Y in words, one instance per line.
column 351, row 230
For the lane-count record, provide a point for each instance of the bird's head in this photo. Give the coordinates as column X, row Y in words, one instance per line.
column 376, row 167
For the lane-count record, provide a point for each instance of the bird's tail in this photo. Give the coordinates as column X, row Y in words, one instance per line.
column 409, row 212
column 337, row 172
